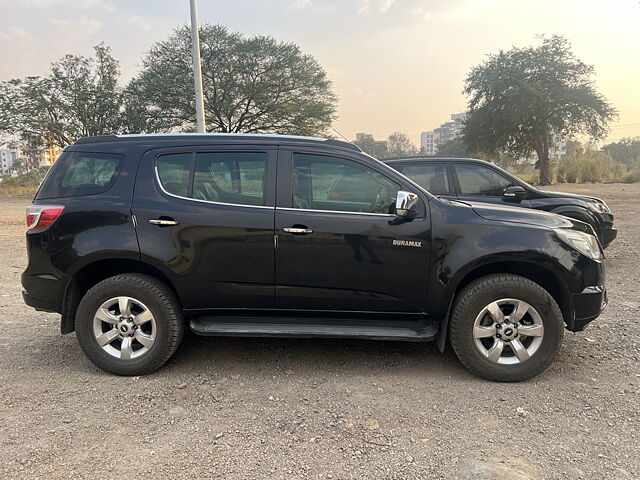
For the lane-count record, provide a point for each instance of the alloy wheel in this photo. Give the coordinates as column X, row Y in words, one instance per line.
column 508, row 331
column 124, row 327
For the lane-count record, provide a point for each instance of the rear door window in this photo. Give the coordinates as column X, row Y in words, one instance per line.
column 222, row 177
column 174, row 170
column 432, row 177
column 78, row 173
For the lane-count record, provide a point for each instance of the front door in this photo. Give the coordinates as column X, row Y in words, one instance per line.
column 205, row 219
column 339, row 245
column 479, row 183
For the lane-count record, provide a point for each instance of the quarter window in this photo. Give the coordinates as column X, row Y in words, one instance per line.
column 331, row 183
column 430, row 176
column 480, row 180
column 78, row 173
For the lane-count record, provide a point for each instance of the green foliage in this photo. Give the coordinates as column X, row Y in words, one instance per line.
column 631, row 177
column 251, row 84
column 587, row 165
column 79, row 97
column 524, row 98
column 399, row 145
column 29, row 179
column 373, row 147
column 625, row 151
column 455, row 146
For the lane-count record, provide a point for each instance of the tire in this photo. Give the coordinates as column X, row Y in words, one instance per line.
column 148, row 313
column 474, row 330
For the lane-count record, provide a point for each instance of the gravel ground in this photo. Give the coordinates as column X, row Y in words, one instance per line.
column 256, row 408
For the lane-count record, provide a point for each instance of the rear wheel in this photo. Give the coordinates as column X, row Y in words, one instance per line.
column 129, row 324
column 506, row 328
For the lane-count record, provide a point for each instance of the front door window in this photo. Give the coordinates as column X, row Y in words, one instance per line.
column 331, row 183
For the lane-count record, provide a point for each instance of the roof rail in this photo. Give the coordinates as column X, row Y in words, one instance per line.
column 167, row 136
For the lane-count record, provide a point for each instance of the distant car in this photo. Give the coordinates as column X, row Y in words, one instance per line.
column 474, row 180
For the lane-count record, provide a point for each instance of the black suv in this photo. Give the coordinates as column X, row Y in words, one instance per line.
column 473, row 180
column 131, row 238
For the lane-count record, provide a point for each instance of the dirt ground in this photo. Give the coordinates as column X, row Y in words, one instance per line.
column 264, row 408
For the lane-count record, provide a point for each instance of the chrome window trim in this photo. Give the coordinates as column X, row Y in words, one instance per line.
column 335, row 211
column 159, row 182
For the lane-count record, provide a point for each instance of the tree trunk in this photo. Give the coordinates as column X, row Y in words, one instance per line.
column 544, row 164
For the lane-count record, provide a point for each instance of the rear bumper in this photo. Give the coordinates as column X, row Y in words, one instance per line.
column 39, row 304
column 43, row 292
column 587, row 305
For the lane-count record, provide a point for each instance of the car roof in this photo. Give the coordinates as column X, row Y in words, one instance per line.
column 217, row 137
column 432, row 158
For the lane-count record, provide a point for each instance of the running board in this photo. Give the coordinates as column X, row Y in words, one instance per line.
column 234, row 326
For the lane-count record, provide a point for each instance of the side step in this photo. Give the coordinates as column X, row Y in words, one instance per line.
column 234, row 326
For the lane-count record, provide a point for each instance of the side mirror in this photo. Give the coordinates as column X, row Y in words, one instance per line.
column 515, row 193
column 406, row 203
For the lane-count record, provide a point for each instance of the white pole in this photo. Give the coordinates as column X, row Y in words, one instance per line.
column 197, row 69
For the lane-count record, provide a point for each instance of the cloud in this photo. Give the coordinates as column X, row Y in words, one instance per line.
column 301, row 4
column 141, row 22
column 366, row 6
column 74, row 31
column 77, row 4
column 15, row 33
column 422, row 13
column 312, row 6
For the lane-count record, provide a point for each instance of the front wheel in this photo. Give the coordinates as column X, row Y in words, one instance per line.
column 129, row 324
column 506, row 328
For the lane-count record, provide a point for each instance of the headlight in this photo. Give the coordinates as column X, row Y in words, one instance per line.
column 598, row 207
column 584, row 243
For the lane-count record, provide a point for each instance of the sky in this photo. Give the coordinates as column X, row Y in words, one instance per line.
column 396, row 65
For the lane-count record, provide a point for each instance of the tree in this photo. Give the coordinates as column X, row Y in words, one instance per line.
column 625, row 151
column 251, row 85
column 368, row 144
column 399, row 145
column 455, row 146
column 523, row 99
column 79, row 97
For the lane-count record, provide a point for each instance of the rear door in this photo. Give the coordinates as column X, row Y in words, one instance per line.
column 481, row 183
column 340, row 247
column 205, row 219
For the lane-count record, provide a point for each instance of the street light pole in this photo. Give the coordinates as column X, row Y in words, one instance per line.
column 197, row 69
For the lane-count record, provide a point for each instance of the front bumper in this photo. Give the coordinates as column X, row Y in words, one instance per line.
column 607, row 235
column 587, row 305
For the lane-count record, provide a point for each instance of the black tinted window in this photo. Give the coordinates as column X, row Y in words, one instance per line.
column 174, row 170
column 430, row 176
column 230, row 177
column 330, row 183
column 480, row 180
column 78, row 173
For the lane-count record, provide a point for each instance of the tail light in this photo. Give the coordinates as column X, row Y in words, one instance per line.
column 40, row 217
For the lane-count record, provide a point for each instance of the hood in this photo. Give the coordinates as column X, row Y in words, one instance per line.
column 523, row 215
column 576, row 196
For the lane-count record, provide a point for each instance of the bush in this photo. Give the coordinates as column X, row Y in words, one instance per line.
column 632, row 177
column 586, row 165
column 24, row 184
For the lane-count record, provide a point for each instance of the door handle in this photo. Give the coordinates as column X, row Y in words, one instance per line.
column 302, row 231
column 162, row 222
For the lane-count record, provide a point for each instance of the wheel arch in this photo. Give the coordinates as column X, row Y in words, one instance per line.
column 577, row 213
column 92, row 273
column 533, row 271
